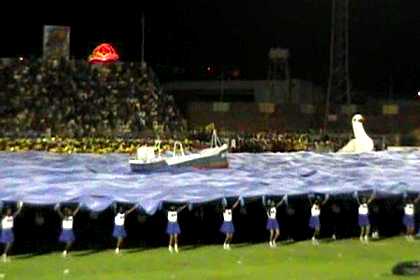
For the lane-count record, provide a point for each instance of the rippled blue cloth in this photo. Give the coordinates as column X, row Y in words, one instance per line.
column 98, row 180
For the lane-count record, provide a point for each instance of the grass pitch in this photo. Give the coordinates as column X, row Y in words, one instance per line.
column 344, row 259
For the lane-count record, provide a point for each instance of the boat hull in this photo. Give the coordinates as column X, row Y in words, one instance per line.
column 212, row 158
column 149, row 167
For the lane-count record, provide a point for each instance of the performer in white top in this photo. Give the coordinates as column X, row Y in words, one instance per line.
column 363, row 219
column 227, row 227
column 272, row 224
column 314, row 221
column 408, row 218
column 67, row 235
column 7, row 237
column 172, row 228
column 119, row 231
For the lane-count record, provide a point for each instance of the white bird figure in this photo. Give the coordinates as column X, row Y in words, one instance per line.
column 361, row 143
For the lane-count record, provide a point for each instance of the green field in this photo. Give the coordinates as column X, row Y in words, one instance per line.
column 345, row 259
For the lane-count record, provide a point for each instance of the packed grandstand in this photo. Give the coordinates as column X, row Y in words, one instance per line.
column 73, row 106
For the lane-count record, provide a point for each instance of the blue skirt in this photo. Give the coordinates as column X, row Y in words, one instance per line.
column 314, row 222
column 173, row 228
column 364, row 220
column 119, row 232
column 272, row 224
column 227, row 227
column 66, row 236
column 7, row 236
column 408, row 220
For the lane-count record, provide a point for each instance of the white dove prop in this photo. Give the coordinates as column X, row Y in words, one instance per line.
column 361, row 143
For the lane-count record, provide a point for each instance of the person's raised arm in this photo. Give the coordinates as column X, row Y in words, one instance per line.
column 57, row 208
column 327, row 196
column 283, row 200
column 131, row 209
column 356, row 196
column 19, row 208
column 267, row 211
column 181, row 208
column 371, row 198
column 310, row 198
column 223, row 203
column 417, row 199
column 263, row 201
column 236, row 204
column 76, row 210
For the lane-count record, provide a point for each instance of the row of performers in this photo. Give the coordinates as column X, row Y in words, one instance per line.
column 173, row 229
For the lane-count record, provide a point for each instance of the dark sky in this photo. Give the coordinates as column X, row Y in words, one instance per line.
column 385, row 35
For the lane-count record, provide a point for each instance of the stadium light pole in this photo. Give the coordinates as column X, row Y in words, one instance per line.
column 339, row 77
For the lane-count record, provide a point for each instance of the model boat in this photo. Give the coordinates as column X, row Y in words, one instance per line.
column 150, row 158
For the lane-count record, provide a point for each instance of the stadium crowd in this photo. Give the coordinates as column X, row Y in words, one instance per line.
column 253, row 143
column 77, row 99
column 73, row 106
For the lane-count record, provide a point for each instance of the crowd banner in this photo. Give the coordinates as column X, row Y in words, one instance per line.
column 56, row 42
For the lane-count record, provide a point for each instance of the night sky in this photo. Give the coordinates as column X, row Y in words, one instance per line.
column 384, row 36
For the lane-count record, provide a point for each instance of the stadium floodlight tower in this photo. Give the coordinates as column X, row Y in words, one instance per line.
column 339, row 78
column 278, row 68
